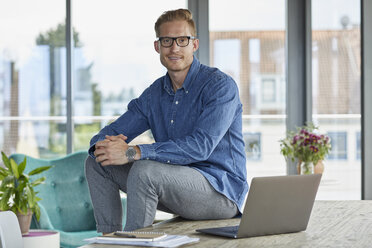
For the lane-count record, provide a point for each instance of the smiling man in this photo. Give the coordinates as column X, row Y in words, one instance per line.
column 196, row 166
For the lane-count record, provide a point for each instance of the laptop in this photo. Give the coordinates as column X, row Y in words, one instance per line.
column 275, row 205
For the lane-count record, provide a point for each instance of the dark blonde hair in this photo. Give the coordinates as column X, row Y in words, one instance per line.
column 175, row 15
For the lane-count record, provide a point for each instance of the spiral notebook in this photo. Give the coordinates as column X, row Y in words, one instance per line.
column 133, row 236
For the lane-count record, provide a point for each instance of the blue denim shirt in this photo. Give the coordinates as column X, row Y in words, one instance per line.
column 199, row 125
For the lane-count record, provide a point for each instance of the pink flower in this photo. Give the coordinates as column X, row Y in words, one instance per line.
column 307, row 141
column 295, row 139
column 304, row 132
column 306, row 145
column 314, row 149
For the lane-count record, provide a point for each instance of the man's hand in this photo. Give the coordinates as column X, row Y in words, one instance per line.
column 111, row 151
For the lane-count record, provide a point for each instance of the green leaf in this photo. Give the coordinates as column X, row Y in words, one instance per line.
column 24, row 208
column 17, row 199
column 5, row 199
column 36, row 210
column 6, row 181
column 38, row 181
column 4, row 171
column 24, row 178
column 21, row 186
column 39, row 170
column 33, row 198
column 14, row 166
column 6, row 160
column 2, row 175
column 22, row 203
column 14, row 209
column 30, row 196
column 22, row 166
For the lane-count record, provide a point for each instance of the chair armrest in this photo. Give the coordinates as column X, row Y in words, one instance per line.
column 44, row 221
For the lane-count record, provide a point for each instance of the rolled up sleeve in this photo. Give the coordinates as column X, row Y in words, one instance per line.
column 131, row 124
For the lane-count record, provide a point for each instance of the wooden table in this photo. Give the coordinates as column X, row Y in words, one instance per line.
column 332, row 224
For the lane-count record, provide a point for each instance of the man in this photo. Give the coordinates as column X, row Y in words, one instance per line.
column 196, row 167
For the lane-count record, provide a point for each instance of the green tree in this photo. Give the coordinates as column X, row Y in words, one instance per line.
column 97, row 99
column 55, row 38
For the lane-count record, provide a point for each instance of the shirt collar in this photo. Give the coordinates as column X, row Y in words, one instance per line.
column 193, row 71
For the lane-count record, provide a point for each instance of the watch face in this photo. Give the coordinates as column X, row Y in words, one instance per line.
column 131, row 152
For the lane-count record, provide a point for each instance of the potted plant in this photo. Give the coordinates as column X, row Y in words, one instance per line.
column 307, row 147
column 17, row 191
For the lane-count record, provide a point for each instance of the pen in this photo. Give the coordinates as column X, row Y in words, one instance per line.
column 122, row 234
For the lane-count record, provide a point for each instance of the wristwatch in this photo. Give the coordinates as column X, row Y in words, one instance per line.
column 131, row 153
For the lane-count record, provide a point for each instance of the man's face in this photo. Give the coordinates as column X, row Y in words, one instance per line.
column 175, row 58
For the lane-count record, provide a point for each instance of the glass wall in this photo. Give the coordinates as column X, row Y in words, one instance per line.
column 32, row 77
column 247, row 42
column 114, row 60
column 336, row 73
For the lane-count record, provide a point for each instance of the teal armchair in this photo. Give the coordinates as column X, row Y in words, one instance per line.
column 65, row 205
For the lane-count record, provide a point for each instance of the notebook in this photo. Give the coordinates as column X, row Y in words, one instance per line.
column 275, row 205
column 133, row 236
column 165, row 241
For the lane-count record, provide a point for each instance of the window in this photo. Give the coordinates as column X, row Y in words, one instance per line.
column 249, row 46
column 252, row 145
column 270, row 93
column 338, row 143
column 358, row 146
column 336, row 70
column 228, row 50
column 32, row 78
column 110, row 70
column 114, row 62
column 268, row 90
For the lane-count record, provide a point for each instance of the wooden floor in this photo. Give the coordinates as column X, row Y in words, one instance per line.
column 332, row 224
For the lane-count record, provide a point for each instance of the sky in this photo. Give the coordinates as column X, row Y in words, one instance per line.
column 118, row 35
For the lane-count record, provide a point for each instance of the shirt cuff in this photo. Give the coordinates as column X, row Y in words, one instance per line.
column 92, row 148
column 147, row 152
column 91, row 151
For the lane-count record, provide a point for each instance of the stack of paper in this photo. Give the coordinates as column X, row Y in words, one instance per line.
column 143, row 239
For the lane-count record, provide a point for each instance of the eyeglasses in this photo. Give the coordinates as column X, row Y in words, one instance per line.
column 181, row 41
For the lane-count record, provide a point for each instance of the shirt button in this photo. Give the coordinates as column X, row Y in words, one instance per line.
column 172, row 121
column 168, row 161
column 187, row 91
column 176, row 102
column 147, row 158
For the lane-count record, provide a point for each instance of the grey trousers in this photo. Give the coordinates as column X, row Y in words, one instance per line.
column 151, row 185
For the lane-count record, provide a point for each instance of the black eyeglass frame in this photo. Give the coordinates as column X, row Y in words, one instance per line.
column 175, row 39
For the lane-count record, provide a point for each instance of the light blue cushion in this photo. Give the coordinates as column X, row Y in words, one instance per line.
column 65, row 205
